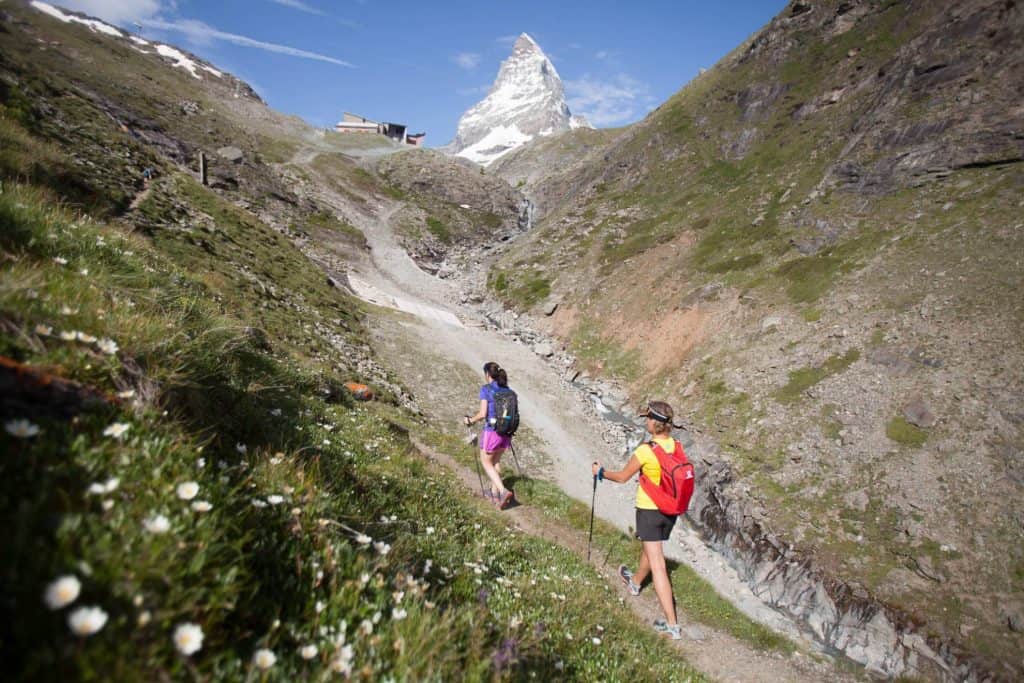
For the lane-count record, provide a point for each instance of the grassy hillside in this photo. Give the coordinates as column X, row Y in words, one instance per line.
column 801, row 249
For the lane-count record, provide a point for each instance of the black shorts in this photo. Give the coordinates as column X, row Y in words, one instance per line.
column 653, row 525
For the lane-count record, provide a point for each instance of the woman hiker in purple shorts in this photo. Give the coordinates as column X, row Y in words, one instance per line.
column 492, row 444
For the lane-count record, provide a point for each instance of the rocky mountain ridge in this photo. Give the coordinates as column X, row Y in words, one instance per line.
column 526, row 101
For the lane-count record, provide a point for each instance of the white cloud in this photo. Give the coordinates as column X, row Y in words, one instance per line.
column 606, row 102
column 507, row 40
column 467, row 60
column 203, row 34
column 116, row 11
column 299, row 5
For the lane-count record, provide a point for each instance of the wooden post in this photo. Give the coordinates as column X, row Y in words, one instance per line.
column 202, row 168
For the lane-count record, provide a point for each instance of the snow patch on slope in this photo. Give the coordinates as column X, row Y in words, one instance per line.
column 94, row 24
column 496, row 143
column 180, row 59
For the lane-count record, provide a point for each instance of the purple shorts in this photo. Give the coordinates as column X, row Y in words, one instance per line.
column 492, row 441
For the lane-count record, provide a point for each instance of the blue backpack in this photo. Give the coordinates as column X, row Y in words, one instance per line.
column 505, row 420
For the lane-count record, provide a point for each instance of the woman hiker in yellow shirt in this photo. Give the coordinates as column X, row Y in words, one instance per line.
column 652, row 526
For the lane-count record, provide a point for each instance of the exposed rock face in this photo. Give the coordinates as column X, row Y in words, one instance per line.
column 527, row 100
column 842, row 616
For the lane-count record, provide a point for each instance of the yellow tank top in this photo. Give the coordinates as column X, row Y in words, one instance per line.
column 649, row 466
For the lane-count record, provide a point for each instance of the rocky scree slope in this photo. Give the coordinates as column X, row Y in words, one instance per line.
column 451, row 208
column 549, row 169
column 813, row 250
column 526, row 101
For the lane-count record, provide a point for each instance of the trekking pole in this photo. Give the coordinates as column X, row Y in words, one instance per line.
column 593, row 499
column 476, row 459
column 516, row 458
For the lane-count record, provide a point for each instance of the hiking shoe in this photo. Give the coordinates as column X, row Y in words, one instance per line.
column 506, row 500
column 627, row 578
column 675, row 631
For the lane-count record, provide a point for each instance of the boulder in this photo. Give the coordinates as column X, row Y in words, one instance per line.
column 544, row 349
column 550, row 307
column 919, row 414
column 232, row 154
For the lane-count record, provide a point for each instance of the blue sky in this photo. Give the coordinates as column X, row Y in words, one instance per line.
column 424, row 64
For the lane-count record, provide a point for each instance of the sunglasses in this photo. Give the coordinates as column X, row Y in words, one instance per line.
column 656, row 416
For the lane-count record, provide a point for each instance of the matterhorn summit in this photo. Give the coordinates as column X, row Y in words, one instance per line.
column 526, row 100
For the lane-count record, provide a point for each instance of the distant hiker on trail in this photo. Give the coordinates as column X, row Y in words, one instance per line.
column 653, row 524
column 500, row 413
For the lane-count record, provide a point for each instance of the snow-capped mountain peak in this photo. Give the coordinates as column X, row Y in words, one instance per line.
column 526, row 100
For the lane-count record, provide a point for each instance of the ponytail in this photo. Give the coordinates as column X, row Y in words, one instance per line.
column 495, row 372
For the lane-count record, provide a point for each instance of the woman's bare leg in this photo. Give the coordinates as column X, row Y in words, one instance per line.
column 642, row 569
column 492, row 463
column 659, row 576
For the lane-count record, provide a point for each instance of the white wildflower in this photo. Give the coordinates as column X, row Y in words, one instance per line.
column 366, row 627
column 382, row 547
column 86, row 621
column 257, row 503
column 430, row 530
column 130, row 393
column 276, row 412
column 319, row 606
column 44, row 330
column 157, row 524
column 595, row 640
column 307, row 651
column 201, row 463
column 275, row 499
column 187, row 490
column 21, row 428
column 398, row 614
column 85, row 338
column 242, row 448
column 62, row 592
column 342, row 664
column 109, row 486
column 67, row 310
column 107, row 505
column 60, row 260
column 264, row 658
column 145, row 616
column 107, row 346
column 84, row 271
column 188, row 638
column 68, row 335
column 363, row 539
column 117, row 430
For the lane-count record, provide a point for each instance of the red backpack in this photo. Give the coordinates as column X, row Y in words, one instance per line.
column 672, row 495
